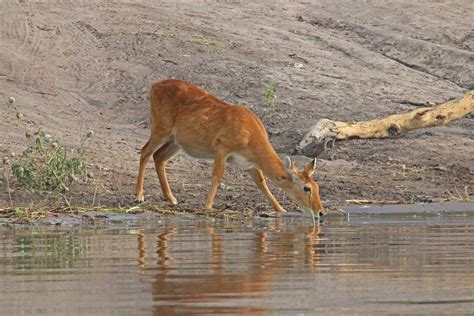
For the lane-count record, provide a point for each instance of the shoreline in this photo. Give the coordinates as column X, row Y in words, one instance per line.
column 142, row 217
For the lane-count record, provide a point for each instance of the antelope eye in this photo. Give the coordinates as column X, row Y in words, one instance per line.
column 307, row 189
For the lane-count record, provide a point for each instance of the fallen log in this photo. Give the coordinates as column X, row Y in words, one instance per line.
column 325, row 131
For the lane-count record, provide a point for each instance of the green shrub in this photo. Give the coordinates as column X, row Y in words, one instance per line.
column 270, row 96
column 47, row 166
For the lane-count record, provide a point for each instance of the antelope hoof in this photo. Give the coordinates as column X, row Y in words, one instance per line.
column 140, row 198
column 173, row 200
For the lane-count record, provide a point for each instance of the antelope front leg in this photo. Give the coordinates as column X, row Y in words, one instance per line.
column 217, row 173
column 257, row 176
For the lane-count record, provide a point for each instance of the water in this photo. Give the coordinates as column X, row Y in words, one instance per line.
column 363, row 265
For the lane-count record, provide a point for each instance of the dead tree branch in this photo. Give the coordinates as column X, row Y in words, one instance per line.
column 315, row 141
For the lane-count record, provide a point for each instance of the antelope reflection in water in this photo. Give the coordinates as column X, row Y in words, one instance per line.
column 198, row 284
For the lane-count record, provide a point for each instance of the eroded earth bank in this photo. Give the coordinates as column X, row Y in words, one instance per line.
column 75, row 66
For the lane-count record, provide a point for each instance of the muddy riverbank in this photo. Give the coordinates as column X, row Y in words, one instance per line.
column 88, row 217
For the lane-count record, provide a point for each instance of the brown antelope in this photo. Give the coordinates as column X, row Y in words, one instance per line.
column 183, row 116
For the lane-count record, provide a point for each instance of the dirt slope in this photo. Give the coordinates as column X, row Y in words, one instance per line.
column 75, row 66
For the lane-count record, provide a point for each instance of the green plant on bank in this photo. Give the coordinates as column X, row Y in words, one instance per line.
column 227, row 188
column 270, row 97
column 208, row 41
column 47, row 166
column 27, row 216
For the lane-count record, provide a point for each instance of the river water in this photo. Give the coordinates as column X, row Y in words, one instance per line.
column 359, row 265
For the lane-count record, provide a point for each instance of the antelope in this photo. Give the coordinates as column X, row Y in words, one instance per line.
column 184, row 116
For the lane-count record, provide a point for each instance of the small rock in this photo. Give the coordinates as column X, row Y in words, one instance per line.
column 298, row 65
column 302, row 18
column 11, row 100
column 19, row 115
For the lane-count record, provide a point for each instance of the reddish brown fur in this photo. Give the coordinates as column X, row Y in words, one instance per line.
column 186, row 117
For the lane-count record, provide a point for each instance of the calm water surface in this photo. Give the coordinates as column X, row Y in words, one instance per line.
column 365, row 265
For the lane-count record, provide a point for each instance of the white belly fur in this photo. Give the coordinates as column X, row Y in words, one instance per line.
column 235, row 159
column 240, row 161
column 196, row 154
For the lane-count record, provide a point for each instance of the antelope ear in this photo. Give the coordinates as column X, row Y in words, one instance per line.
column 291, row 169
column 309, row 169
column 288, row 165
